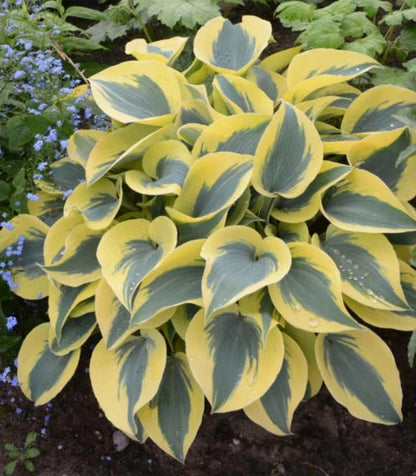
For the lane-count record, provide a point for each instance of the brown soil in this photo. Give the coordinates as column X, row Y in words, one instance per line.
column 326, row 440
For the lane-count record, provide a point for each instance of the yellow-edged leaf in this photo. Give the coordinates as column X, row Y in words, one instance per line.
column 309, row 295
column 359, row 370
column 98, row 203
column 177, row 280
column 173, row 416
column 275, row 409
column 228, row 360
column 385, row 154
column 41, row 373
column 137, row 91
column 130, row 250
column 21, row 242
column 125, row 379
column 239, row 95
column 165, row 51
column 240, row 262
column 369, row 268
column 289, row 154
column 306, row 206
column 377, row 109
column 165, row 165
column 238, row 133
column 229, row 48
column 363, row 202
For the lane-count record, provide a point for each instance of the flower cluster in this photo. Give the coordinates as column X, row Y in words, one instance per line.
column 44, row 101
column 7, row 262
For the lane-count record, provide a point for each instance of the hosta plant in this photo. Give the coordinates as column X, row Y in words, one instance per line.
column 236, row 236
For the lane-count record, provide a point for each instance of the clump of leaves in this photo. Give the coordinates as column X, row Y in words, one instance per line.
column 22, row 456
column 233, row 237
column 356, row 25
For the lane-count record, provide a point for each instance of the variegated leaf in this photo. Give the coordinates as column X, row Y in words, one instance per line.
column 41, row 373
column 81, row 143
column 359, row 370
column 174, row 414
column 377, row 109
column 121, row 146
column 275, row 409
column 238, row 95
column 369, row 268
column 342, row 64
column 189, row 133
column 165, row 51
column 306, row 341
column 49, row 208
column 402, row 320
column 289, row 232
column 260, row 304
column 229, row 48
column 77, row 262
column 64, row 299
column 238, row 133
column 213, row 183
column 64, row 173
column 22, row 244
column 278, row 61
column 289, row 154
column 182, row 317
column 306, row 206
column 240, row 262
column 309, row 296
column 130, row 250
column 75, row 333
column 125, row 379
column 381, row 154
column 177, row 280
column 363, row 202
column 271, row 83
column 137, row 91
column 97, row 203
column 112, row 317
column 228, row 359
column 165, row 165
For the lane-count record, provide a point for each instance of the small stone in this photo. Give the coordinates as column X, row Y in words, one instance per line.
column 236, row 441
column 280, row 468
column 120, row 440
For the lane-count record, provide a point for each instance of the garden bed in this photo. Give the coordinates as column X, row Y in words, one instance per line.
column 326, row 441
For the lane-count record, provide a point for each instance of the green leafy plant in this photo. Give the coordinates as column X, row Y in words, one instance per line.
column 346, row 24
column 22, row 456
column 45, row 23
column 359, row 25
column 232, row 238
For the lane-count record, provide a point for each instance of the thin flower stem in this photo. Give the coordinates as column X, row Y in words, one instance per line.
column 65, row 57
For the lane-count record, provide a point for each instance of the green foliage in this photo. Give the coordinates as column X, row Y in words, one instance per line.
column 343, row 24
column 21, row 457
column 356, row 25
column 231, row 238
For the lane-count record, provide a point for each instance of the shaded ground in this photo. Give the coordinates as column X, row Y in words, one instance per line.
column 326, row 440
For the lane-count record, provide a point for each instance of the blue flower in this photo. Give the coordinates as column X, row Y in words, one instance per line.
column 38, row 145
column 32, row 197
column 11, row 322
column 67, row 193
column 19, row 411
column 7, row 225
column 19, row 74
column 42, row 166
